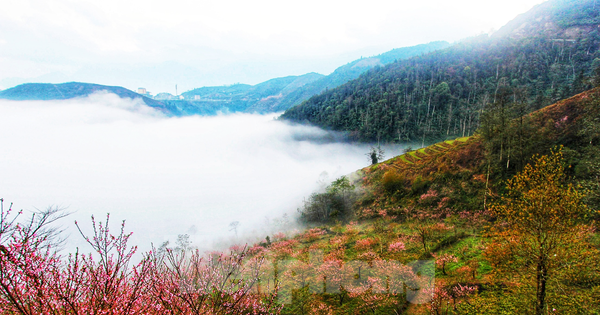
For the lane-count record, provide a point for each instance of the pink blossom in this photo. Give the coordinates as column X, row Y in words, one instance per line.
column 430, row 195
column 366, row 243
column 396, row 247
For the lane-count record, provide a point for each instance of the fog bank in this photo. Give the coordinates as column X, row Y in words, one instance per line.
column 164, row 176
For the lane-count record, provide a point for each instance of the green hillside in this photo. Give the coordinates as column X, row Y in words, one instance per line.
column 545, row 55
column 440, row 203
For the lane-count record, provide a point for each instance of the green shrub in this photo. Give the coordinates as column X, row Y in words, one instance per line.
column 393, row 182
column 419, row 185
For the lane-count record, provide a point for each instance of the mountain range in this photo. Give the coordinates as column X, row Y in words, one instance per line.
column 70, row 90
column 275, row 95
column 279, row 94
column 423, row 93
column 544, row 55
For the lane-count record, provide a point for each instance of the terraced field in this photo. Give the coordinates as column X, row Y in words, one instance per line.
column 410, row 158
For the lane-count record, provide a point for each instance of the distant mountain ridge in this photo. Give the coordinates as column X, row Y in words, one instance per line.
column 69, row 90
column 274, row 95
column 279, row 94
column 262, row 97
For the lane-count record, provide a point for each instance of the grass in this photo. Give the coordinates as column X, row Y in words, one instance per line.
column 403, row 158
column 414, row 155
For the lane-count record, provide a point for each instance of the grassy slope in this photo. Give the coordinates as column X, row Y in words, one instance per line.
column 441, row 187
column 385, row 217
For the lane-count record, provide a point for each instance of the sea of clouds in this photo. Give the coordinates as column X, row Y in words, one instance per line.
column 164, row 175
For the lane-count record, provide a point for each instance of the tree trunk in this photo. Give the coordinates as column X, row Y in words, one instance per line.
column 542, row 273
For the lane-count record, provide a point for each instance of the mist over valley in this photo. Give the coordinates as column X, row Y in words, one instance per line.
column 164, row 175
column 433, row 157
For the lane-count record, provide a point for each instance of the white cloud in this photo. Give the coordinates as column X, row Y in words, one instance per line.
column 163, row 175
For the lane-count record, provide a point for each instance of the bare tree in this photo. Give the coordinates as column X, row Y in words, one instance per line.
column 376, row 154
column 233, row 226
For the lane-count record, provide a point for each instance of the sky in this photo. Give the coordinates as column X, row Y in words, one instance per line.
column 193, row 43
column 164, row 175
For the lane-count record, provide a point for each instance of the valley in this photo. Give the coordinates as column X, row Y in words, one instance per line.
column 441, row 178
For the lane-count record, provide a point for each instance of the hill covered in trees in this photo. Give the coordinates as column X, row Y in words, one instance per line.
column 547, row 54
column 279, row 94
column 508, row 233
column 353, row 70
column 63, row 91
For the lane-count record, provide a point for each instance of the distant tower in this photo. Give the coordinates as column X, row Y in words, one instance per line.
column 175, row 89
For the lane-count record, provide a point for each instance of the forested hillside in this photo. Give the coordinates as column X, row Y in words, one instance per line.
column 547, row 54
column 508, row 216
column 353, row 70
column 279, row 94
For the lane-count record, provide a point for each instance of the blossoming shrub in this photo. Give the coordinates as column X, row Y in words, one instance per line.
column 34, row 279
